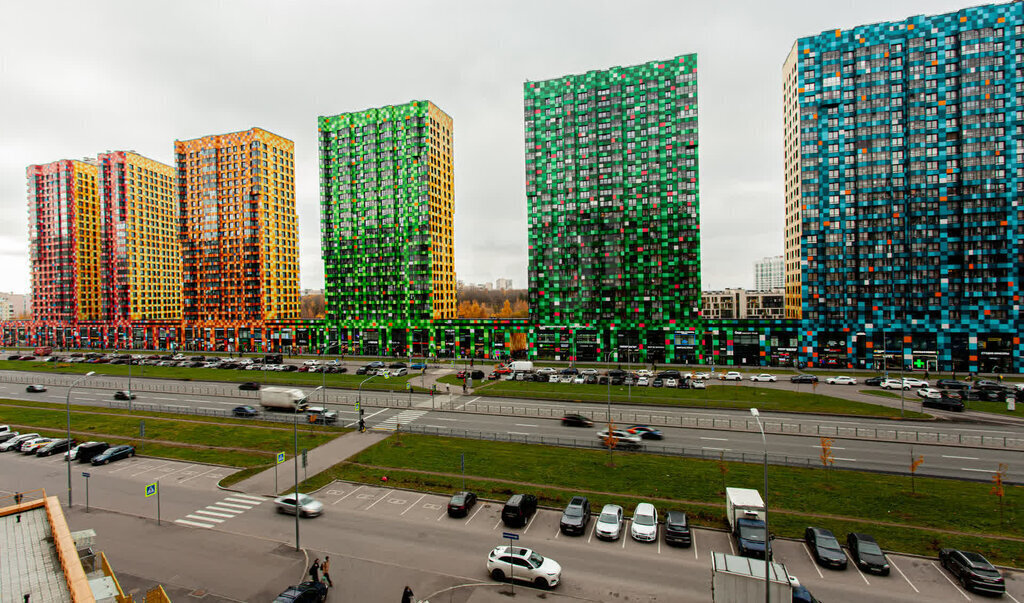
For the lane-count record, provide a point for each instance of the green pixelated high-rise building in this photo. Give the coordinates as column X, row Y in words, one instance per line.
column 387, row 203
column 613, row 209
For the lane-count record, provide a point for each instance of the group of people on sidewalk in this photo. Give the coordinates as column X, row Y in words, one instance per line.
column 325, row 568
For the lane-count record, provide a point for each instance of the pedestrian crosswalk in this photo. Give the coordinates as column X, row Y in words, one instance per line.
column 403, row 418
column 219, row 512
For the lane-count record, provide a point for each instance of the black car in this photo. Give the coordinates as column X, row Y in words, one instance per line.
column 113, row 453
column 803, row 378
column 362, row 370
column 874, row 381
column 249, row 386
column 397, row 365
column 618, row 380
column 973, row 571
column 570, row 371
column 590, row 380
column 307, row 592
column 991, row 393
column 576, row 516
column 616, row 373
column 670, row 374
column 86, row 452
column 952, row 384
column 575, row 420
column 802, row 595
column 825, row 548
column 53, row 447
column 867, row 554
column 602, row 380
column 657, row 382
column 461, row 503
column 35, row 389
column 677, row 529
column 124, row 395
column 244, row 411
column 518, row 509
column 946, row 402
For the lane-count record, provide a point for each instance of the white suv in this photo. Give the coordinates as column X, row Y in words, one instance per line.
column 644, row 526
column 731, row 376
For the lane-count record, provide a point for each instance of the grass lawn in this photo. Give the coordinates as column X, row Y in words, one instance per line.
column 203, row 439
column 310, row 380
column 716, row 396
column 868, row 501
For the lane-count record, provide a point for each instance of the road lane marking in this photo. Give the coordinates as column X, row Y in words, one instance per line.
column 440, row 419
column 716, row 439
column 193, row 523
column 344, row 497
column 480, row 508
column 854, row 564
column 839, row 458
column 718, row 449
column 818, row 446
column 436, row 426
column 463, row 405
column 368, row 417
column 962, row 458
column 943, row 574
column 201, row 518
column 978, row 470
column 170, row 399
column 386, row 494
column 525, row 425
column 813, row 562
column 904, row 576
column 414, row 504
column 224, row 515
column 517, row 433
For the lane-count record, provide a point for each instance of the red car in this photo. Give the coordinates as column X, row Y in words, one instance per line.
column 503, row 370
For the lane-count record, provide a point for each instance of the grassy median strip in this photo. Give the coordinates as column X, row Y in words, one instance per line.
column 878, row 503
column 200, row 439
column 716, row 396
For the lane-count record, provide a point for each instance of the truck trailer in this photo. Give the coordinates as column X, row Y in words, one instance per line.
column 737, row 579
column 745, row 511
column 283, row 398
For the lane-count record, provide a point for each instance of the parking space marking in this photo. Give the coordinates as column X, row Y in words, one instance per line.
column 557, row 532
column 396, row 501
column 892, row 563
column 197, row 475
column 659, row 543
column 443, row 513
column 177, row 470
column 592, row 532
column 414, row 504
column 854, row 564
column 732, row 549
column 346, row 496
column 530, row 523
column 481, row 508
column 497, row 524
column 693, row 543
column 813, row 562
column 148, row 469
column 943, row 574
column 386, row 494
column 1012, row 597
column 432, row 506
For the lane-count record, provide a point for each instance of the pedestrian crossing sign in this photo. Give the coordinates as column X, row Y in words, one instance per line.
column 280, row 458
column 150, row 489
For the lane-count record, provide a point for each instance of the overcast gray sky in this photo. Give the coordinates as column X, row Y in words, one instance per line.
column 78, row 78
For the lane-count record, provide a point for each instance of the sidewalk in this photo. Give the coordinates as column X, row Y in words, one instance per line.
column 320, row 459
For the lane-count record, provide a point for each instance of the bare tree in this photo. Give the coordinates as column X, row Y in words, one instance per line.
column 997, row 489
column 915, row 462
column 826, row 454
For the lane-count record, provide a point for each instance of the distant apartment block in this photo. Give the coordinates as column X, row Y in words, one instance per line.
column 742, row 304
column 239, row 230
column 15, row 306
column 503, row 284
column 769, row 273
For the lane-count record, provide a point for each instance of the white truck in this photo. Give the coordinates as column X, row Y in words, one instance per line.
column 282, row 398
column 737, row 579
column 521, row 366
column 745, row 511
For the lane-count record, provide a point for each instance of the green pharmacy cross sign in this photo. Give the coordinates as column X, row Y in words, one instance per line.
column 918, row 363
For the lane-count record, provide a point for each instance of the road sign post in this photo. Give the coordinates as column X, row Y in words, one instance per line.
column 512, row 536
column 86, row 475
column 463, row 470
column 280, row 459
column 154, row 489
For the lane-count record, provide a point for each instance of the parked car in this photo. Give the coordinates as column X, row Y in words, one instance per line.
column 803, row 378
column 841, row 380
column 546, row 370
column 698, row 384
column 308, row 506
column 702, row 376
column 321, row 416
column 306, row 592
column 518, row 509
column 671, row 382
column 579, row 379
column 894, row 384
column 874, row 381
column 730, row 376
column 249, row 386
column 31, row 446
column 576, row 516
column 55, row 446
column 927, row 392
column 460, row 504
column 113, row 453
column 973, row 571
column 124, row 395
column 589, row 371
column 915, row 382
column 645, row 432
column 644, row 527
column 35, row 389
column 576, row 420
column 657, row 382
column 7, row 435
column 766, row 377
column 523, row 564
column 642, row 382
column 677, row 529
column 866, row 553
column 952, row 384
column 944, row 402
column 418, row 366
column 15, row 442
column 609, row 523
column 825, row 548
column 244, row 411
column 86, row 450
column 623, row 437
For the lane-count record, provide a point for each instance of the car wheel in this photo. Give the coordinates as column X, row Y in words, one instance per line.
column 106, row 461
column 498, row 575
column 541, row 583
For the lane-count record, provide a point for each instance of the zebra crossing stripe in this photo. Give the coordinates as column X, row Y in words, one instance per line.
column 243, row 501
column 257, row 499
column 224, row 510
column 201, row 518
column 234, row 505
column 214, row 514
column 194, row 524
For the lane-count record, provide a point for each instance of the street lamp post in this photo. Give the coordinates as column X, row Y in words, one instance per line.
column 67, row 402
column 295, row 453
column 767, row 539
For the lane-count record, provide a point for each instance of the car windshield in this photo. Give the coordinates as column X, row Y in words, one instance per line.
column 869, row 548
column 573, row 511
column 305, row 500
column 536, row 559
column 828, row 542
column 609, row 518
column 458, row 499
column 643, row 520
column 752, row 533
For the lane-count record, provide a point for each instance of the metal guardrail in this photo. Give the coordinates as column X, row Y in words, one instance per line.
column 450, row 403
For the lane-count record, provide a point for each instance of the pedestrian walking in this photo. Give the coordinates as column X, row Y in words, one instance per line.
column 326, row 569
column 407, row 596
column 362, row 425
column 314, row 570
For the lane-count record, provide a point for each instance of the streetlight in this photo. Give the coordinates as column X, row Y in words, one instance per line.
column 767, row 540
column 67, row 402
column 295, row 434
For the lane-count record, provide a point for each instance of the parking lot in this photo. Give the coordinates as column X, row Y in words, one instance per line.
column 912, row 578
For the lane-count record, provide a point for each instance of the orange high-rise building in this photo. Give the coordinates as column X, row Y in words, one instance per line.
column 239, row 230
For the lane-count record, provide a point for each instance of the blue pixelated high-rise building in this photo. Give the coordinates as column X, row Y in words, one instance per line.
column 904, row 173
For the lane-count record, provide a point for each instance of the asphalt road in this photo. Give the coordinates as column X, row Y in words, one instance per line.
column 380, row 538
column 793, row 438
